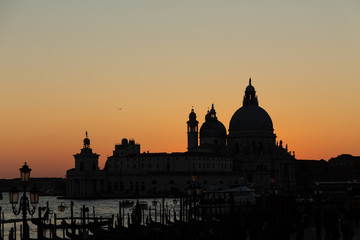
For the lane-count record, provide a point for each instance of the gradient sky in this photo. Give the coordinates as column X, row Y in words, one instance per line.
column 66, row 67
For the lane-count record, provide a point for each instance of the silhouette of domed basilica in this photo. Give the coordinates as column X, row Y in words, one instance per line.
column 248, row 155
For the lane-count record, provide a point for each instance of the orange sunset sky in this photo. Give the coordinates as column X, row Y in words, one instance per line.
column 66, row 67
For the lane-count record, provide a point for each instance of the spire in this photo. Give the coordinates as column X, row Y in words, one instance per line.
column 86, row 141
column 250, row 97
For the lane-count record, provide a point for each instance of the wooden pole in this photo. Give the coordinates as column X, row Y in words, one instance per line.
column 54, row 234
column 94, row 212
column 72, row 218
column 163, row 209
column 1, row 235
column 180, row 213
column 119, row 218
column 83, row 218
column 14, row 230
column 39, row 228
column 3, row 225
column 155, row 213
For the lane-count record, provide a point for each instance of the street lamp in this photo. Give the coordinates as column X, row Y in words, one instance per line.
column 194, row 191
column 24, row 206
column 25, row 173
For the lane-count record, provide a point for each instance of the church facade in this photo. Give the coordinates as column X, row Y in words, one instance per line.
column 248, row 154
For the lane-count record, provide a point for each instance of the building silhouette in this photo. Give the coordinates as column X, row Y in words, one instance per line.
column 249, row 154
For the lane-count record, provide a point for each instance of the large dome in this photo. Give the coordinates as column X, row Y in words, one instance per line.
column 250, row 118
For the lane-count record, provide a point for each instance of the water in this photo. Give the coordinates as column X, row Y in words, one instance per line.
column 101, row 207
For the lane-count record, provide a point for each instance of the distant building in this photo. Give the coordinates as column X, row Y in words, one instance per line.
column 248, row 154
column 47, row 186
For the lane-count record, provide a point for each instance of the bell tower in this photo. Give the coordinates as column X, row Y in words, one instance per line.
column 192, row 131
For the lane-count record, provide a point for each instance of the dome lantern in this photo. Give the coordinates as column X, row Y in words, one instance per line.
column 250, row 97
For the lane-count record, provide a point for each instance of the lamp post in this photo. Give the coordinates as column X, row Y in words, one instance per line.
column 194, row 191
column 24, row 206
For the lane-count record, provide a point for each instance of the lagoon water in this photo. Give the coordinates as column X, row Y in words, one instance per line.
column 101, row 207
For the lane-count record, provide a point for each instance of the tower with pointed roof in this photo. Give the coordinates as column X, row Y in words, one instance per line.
column 192, row 131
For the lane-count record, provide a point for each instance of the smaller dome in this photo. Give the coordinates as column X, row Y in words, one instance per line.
column 212, row 127
column 192, row 115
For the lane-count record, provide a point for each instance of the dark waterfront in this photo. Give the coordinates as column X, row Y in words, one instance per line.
column 103, row 208
column 272, row 217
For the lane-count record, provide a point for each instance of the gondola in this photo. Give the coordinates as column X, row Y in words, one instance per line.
column 81, row 236
column 65, row 225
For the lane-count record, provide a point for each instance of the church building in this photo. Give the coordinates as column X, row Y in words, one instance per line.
column 248, row 154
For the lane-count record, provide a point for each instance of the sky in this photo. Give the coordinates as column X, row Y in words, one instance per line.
column 134, row 69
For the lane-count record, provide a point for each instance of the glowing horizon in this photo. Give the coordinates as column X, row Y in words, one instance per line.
column 67, row 68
